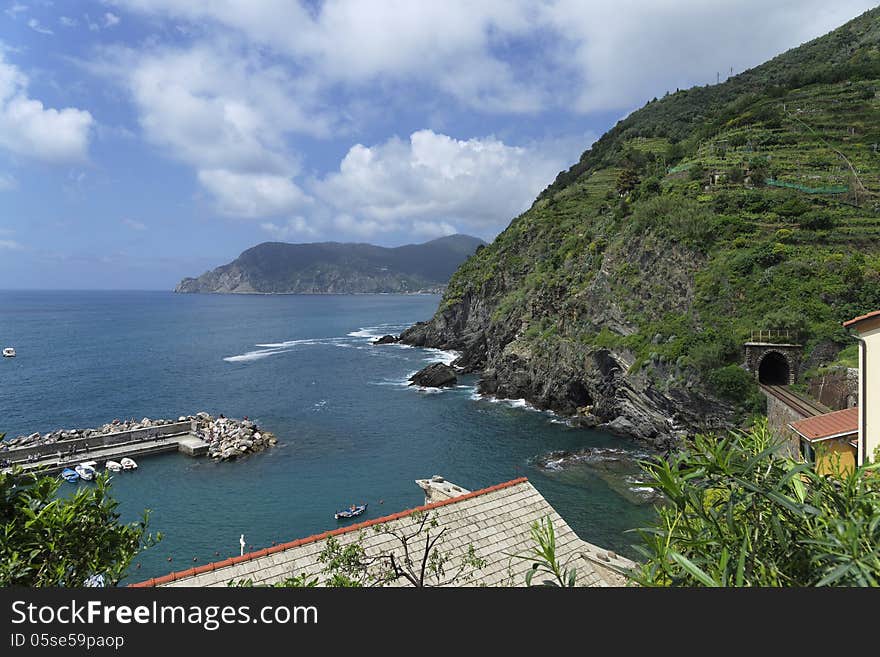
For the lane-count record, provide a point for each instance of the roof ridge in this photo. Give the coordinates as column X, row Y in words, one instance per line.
column 249, row 556
column 829, row 425
column 861, row 318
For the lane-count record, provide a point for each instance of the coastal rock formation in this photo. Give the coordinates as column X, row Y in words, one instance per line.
column 387, row 339
column 437, row 375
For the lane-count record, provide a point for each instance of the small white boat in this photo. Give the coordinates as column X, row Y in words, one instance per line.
column 86, row 471
column 9, row 352
column 128, row 464
column 113, row 466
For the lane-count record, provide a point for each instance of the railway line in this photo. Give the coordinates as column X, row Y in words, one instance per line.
column 793, row 400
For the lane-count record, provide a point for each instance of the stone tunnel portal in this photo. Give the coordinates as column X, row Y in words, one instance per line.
column 774, row 369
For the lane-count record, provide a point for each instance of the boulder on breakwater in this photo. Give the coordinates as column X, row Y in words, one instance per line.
column 229, row 438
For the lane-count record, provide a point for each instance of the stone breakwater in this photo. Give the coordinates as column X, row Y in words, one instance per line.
column 229, row 438
column 61, row 435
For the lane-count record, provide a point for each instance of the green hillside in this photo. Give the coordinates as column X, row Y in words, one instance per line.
column 715, row 211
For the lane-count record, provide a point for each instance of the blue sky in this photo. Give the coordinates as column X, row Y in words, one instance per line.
column 146, row 140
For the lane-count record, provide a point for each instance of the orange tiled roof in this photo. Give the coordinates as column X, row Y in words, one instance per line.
column 157, row 581
column 862, row 318
column 830, row 425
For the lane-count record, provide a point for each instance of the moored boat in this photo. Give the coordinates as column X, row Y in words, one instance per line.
column 70, row 475
column 128, row 464
column 86, row 471
column 9, row 352
column 113, row 466
column 350, row 512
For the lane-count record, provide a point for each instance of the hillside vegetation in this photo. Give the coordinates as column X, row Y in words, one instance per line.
column 625, row 292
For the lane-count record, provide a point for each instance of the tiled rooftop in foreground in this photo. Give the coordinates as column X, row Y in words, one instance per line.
column 496, row 521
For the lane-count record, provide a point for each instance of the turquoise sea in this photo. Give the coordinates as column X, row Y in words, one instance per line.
column 350, row 428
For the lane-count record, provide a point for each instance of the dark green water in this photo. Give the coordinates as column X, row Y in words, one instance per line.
column 351, row 430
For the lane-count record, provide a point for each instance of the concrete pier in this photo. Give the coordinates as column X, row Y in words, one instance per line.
column 54, row 457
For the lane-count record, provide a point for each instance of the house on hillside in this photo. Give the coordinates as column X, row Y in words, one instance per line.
column 838, row 441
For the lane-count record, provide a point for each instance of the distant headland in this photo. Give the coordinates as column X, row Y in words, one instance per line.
column 338, row 268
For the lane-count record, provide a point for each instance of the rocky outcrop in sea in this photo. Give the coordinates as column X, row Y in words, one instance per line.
column 437, row 375
column 619, row 468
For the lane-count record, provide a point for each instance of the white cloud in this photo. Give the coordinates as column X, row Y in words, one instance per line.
column 10, row 245
column 35, row 25
column 252, row 195
column 434, row 184
column 583, row 55
column 293, row 228
column 67, row 21
column 345, row 224
column 111, row 20
column 227, row 113
column 448, row 45
column 631, row 50
column 14, row 9
column 134, row 225
column 7, row 182
column 29, row 129
column 432, row 229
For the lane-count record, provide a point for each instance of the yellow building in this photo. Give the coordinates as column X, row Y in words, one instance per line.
column 867, row 331
column 829, row 440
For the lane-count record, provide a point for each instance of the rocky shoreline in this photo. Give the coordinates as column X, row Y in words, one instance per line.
column 227, row 438
column 594, row 387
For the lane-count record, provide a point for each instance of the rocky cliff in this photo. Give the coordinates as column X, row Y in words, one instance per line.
column 623, row 295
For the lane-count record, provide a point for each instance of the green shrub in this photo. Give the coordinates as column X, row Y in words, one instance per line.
column 740, row 513
column 816, row 220
column 733, row 383
column 792, row 207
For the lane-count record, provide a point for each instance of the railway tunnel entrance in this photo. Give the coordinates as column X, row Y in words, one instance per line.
column 773, row 363
column 774, row 370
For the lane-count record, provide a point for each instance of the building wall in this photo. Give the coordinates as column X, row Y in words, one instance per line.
column 779, row 415
column 870, row 369
column 835, row 456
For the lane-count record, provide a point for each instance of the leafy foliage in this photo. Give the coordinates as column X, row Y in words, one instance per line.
column 545, row 561
column 47, row 539
column 740, row 513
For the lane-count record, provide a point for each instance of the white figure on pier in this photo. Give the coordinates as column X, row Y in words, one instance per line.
column 241, row 542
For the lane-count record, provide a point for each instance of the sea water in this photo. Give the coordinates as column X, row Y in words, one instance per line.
column 350, row 429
